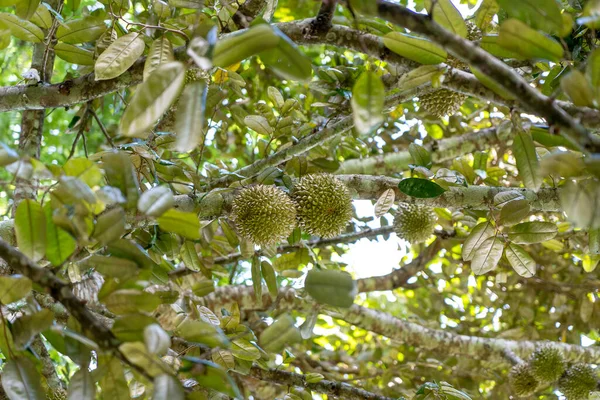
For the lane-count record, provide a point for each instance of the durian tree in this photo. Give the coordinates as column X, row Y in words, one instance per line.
column 180, row 192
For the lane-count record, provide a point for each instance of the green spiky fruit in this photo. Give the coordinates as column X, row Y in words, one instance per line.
column 264, row 214
column 56, row 394
column 522, row 380
column 547, row 363
column 577, row 382
column 193, row 75
column 414, row 223
column 442, row 102
column 473, row 32
column 323, row 204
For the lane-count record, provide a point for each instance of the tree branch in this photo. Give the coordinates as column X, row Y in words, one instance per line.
column 408, row 333
column 331, row 388
column 530, row 98
column 441, row 150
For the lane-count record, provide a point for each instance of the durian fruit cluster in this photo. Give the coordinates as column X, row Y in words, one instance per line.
column 547, row 365
column 443, row 102
column 319, row 203
column 414, row 223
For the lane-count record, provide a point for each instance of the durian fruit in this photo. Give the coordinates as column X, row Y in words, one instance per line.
column 522, row 380
column 264, row 214
column 442, row 102
column 56, row 394
column 414, row 223
column 547, row 363
column 323, row 204
column 577, row 382
column 193, row 75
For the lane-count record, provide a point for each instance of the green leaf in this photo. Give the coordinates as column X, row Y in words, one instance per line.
column 538, row 14
column 259, row 124
column 532, row 232
column 30, row 229
column 21, row 29
column 113, row 267
column 130, row 327
column 485, row 14
column 478, row 235
column 581, row 202
column 445, row 14
column 368, row 97
column 514, row 212
column 256, row 278
column 193, row 4
column 286, row 60
column 242, row 44
column 202, row 332
column 518, row 37
column 110, row 226
column 59, row 243
column 244, row 350
column 26, row 8
column 189, row 121
column 136, row 353
column 281, row 333
column 156, row 201
column 182, row 223
column 129, row 301
column 224, row 358
column 161, row 52
column 113, row 382
column 593, row 68
column 336, row 288
column 82, row 30
column 42, row 17
column 74, row 54
column 420, row 155
column 7, row 155
column 520, row 260
column 121, row 174
column 418, row 76
column 577, row 87
column 119, row 56
column 157, row 341
column 27, row 326
column 543, row 137
column 190, row 258
column 167, row 387
column 490, row 83
column 21, row 380
column 420, row 188
column 82, row 386
column 270, row 278
column 415, row 48
column 213, row 376
column 487, row 256
column 85, row 170
column 527, row 161
column 152, row 98
column 13, row 288
column 490, row 44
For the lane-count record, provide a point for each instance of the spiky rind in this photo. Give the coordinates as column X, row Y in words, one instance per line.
column 522, row 380
column 263, row 214
column 56, row 394
column 547, row 363
column 323, row 204
column 577, row 382
column 414, row 223
column 442, row 102
column 193, row 75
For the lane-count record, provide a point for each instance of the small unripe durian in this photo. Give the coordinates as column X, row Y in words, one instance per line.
column 264, row 214
column 414, row 223
column 323, row 204
column 442, row 102
column 577, row 382
column 522, row 380
column 56, row 394
column 547, row 363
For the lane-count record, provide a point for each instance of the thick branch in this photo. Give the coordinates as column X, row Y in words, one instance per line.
column 408, row 333
column 530, row 98
column 441, row 150
column 332, row 388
